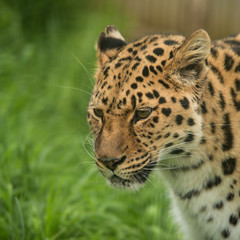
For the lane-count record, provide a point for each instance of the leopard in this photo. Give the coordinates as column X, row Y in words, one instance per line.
column 171, row 104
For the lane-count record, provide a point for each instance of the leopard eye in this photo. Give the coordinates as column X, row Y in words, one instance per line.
column 142, row 113
column 98, row 112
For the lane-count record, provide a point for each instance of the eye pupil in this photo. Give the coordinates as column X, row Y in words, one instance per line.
column 143, row 113
column 98, row 112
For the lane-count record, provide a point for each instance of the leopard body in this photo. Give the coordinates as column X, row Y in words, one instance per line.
column 173, row 103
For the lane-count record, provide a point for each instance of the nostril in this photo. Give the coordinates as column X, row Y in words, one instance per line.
column 111, row 163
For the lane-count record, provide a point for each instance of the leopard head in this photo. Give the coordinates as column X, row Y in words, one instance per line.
column 144, row 109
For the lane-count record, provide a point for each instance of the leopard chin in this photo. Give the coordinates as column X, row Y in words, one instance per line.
column 127, row 184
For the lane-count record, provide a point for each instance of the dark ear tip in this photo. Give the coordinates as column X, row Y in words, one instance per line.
column 110, row 28
column 111, row 39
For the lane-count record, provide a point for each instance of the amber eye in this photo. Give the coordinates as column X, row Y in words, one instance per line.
column 98, row 112
column 142, row 113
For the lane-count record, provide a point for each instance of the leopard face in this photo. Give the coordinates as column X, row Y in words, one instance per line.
column 144, row 111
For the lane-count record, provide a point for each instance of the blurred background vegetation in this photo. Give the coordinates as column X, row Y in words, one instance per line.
column 218, row 17
column 49, row 185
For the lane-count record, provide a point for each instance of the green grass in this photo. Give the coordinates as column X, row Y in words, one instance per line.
column 49, row 185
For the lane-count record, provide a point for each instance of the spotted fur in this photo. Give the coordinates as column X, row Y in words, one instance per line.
column 173, row 103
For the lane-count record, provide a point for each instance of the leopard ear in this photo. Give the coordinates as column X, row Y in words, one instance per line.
column 189, row 59
column 109, row 44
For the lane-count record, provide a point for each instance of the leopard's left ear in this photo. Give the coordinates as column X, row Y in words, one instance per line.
column 189, row 59
column 109, row 44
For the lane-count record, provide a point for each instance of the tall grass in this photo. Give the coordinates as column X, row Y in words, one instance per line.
column 49, row 185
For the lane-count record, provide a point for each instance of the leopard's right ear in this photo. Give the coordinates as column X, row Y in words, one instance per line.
column 109, row 44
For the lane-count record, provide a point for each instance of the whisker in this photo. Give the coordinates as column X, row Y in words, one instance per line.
column 86, row 71
column 73, row 88
column 151, row 182
column 83, row 143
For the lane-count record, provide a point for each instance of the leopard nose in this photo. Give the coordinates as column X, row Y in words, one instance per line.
column 111, row 163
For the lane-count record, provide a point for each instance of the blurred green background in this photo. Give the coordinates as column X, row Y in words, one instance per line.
column 49, row 185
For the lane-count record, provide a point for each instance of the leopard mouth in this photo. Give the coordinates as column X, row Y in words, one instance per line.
column 136, row 180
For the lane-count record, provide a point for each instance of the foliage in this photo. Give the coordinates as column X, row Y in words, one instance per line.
column 49, row 187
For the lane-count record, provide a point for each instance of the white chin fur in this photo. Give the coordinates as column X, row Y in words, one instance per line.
column 123, row 184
